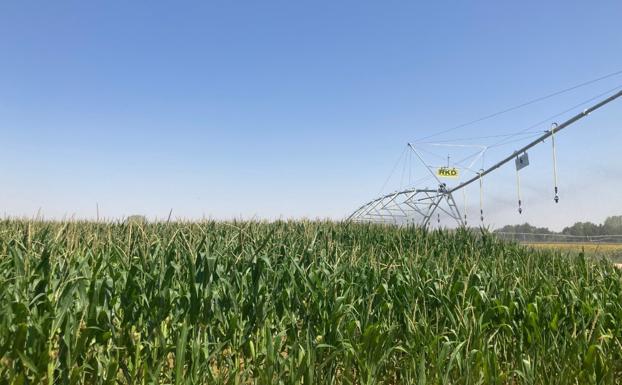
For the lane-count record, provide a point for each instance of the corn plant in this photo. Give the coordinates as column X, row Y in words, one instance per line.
column 299, row 303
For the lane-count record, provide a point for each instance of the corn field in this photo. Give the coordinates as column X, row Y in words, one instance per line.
column 299, row 303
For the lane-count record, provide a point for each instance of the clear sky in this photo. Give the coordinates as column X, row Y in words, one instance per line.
column 269, row 109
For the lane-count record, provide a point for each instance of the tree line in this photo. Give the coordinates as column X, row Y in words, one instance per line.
column 611, row 226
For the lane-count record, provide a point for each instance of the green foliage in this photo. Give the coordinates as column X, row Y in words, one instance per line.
column 525, row 228
column 584, row 229
column 613, row 225
column 298, row 303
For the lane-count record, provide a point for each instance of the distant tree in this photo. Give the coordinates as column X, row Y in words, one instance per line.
column 613, row 225
column 584, row 229
column 524, row 228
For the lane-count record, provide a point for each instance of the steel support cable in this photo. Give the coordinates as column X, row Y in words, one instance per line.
column 552, row 132
column 540, row 139
column 460, row 163
column 527, row 132
column 443, row 157
column 531, row 135
column 476, row 138
column 532, row 101
column 392, row 171
column 404, row 165
column 410, row 168
column 505, row 141
column 516, row 140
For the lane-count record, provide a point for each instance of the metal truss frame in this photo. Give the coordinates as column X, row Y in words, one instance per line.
column 409, row 207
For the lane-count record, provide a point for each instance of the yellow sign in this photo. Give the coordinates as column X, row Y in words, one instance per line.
column 446, row 172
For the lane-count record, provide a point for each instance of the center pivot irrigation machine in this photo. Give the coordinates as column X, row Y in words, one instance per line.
column 418, row 205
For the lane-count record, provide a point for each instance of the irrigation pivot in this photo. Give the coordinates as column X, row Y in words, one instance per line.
column 417, row 206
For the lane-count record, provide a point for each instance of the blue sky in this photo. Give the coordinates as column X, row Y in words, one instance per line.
column 291, row 109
